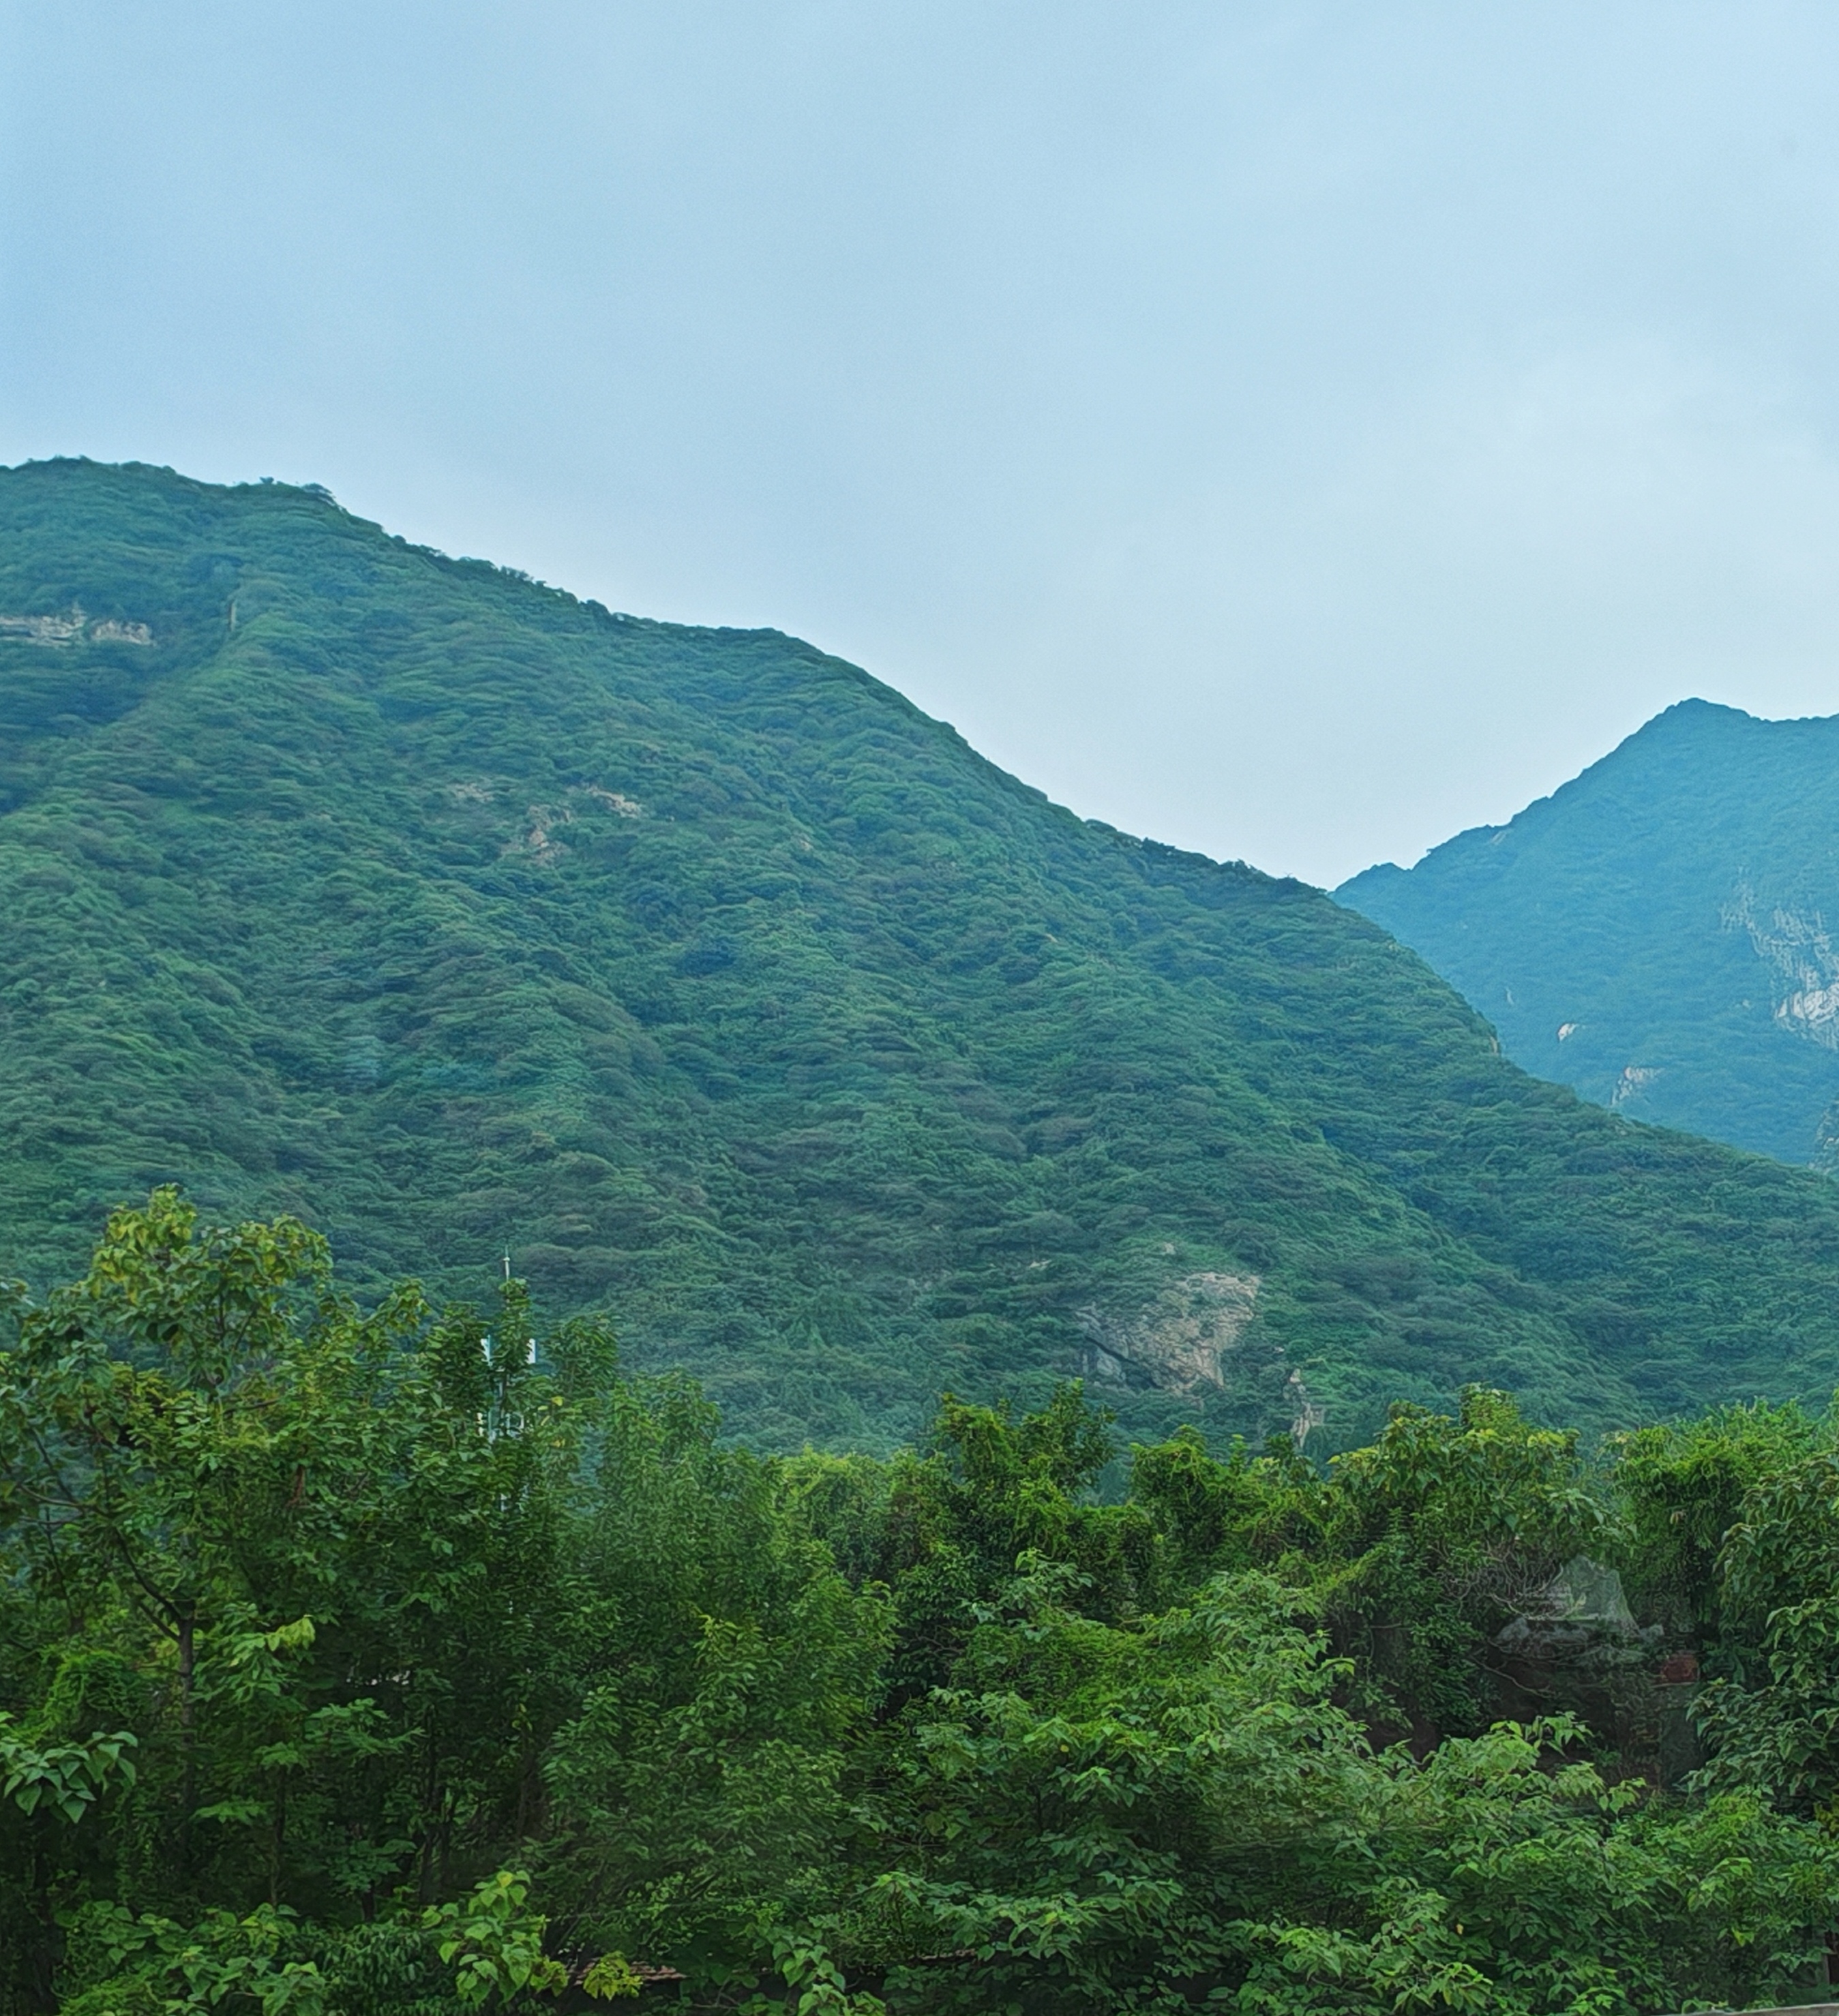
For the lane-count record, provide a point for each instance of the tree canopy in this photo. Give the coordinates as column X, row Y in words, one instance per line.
column 360, row 1660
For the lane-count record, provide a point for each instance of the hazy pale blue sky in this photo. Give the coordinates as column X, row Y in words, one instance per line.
column 1295, row 431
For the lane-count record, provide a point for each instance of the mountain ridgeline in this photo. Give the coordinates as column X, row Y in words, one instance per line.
column 719, row 988
column 1654, row 934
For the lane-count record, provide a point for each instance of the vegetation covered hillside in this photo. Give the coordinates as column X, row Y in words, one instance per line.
column 1655, row 933
column 724, row 991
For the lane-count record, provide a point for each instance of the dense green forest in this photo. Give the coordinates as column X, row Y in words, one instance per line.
column 1655, row 934
column 358, row 1661
column 733, row 998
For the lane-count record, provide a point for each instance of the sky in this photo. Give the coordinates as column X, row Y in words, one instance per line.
column 1296, row 432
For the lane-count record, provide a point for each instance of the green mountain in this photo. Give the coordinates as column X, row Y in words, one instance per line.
column 1653, row 934
column 716, row 985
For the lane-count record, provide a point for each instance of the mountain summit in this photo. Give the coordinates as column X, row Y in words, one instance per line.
column 711, row 983
column 1655, row 933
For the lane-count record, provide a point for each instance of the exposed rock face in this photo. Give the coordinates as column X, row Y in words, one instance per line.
column 1807, row 1000
column 1309, row 1414
column 1634, row 1080
column 1180, row 1340
column 70, row 629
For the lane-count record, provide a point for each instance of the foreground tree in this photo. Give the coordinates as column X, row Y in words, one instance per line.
column 333, row 1615
column 355, row 1663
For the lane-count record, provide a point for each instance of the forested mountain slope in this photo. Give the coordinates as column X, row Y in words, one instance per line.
column 1655, row 933
column 719, row 987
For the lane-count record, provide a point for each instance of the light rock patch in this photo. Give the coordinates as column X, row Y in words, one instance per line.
column 1180, row 1340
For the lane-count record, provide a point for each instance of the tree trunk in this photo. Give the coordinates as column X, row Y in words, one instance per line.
column 187, row 1732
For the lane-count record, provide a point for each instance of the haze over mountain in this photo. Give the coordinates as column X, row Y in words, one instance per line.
column 711, row 982
column 1655, row 933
